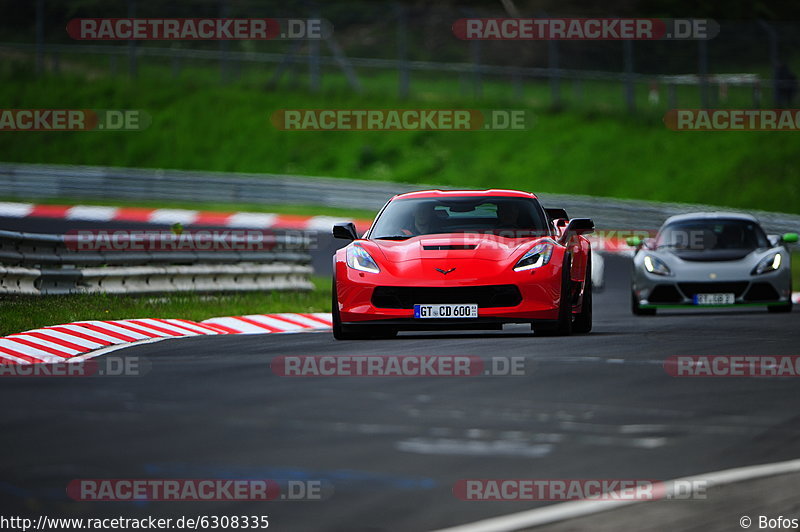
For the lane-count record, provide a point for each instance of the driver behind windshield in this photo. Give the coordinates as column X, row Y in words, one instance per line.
column 423, row 219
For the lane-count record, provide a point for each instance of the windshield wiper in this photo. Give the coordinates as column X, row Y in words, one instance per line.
column 395, row 237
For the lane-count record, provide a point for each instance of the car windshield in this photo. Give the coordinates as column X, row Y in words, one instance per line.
column 504, row 216
column 712, row 235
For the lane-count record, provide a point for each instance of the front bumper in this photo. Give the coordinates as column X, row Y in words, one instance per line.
column 653, row 291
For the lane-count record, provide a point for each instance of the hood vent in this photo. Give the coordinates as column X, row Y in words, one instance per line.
column 449, row 247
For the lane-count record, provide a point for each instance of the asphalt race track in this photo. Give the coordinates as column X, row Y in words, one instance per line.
column 592, row 406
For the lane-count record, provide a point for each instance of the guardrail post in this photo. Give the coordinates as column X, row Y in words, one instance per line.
column 630, row 97
column 224, row 45
column 402, row 52
column 702, row 66
column 132, row 67
column 313, row 59
column 39, row 37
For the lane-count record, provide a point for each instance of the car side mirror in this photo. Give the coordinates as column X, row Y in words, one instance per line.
column 789, row 238
column 633, row 241
column 579, row 226
column 345, row 230
column 555, row 214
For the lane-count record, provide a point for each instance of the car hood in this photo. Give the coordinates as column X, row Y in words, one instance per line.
column 714, row 255
column 452, row 247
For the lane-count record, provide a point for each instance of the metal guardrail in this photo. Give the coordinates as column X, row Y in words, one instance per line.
column 32, row 263
column 31, row 181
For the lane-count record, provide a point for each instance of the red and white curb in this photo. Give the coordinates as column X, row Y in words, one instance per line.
column 252, row 220
column 86, row 339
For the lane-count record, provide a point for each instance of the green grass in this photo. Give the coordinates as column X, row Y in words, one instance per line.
column 22, row 313
column 199, row 124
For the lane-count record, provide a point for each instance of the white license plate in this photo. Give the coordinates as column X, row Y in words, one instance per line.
column 469, row 310
column 713, row 299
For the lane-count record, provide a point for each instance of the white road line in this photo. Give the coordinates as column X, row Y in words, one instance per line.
column 574, row 509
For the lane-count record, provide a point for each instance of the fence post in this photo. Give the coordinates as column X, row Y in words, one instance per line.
column 402, row 52
column 132, row 68
column 630, row 97
column 39, row 37
column 774, row 58
column 475, row 58
column 224, row 45
column 313, row 58
column 672, row 96
column 702, row 65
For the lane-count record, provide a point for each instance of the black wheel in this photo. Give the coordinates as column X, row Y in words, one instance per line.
column 780, row 308
column 638, row 310
column 583, row 321
column 563, row 325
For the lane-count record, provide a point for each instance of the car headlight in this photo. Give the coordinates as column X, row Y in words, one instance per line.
column 359, row 259
column 656, row 266
column 770, row 263
column 536, row 257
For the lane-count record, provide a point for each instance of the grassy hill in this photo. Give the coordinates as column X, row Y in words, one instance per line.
column 199, row 124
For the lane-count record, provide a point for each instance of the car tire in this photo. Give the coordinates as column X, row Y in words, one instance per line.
column 339, row 331
column 637, row 309
column 583, row 321
column 350, row 332
column 563, row 325
column 780, row 308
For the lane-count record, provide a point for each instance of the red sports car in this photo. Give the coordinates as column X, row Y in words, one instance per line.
column 463, row 259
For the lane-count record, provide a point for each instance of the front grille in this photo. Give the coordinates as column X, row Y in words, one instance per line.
column 761, row 292
column 504, row 295
column 665, row 293
column 692, row 289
